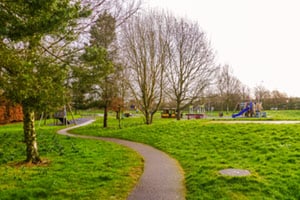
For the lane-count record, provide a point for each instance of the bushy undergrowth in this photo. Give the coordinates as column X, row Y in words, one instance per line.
column 72, row 169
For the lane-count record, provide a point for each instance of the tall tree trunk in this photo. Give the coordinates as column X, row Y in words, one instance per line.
column 178, row 111
column 30, row 136
column 148, row 118
column 151, row 117
column 178, row 115
column 105, row 116
column 117, row 115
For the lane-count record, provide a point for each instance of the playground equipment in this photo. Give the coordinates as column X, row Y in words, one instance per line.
column 61, row 115
column 195, row 116
column 168, row 113
column 250, row 109
column 200, row 110
column 246, row 108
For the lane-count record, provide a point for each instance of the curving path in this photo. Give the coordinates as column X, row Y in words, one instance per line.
column 162, row 178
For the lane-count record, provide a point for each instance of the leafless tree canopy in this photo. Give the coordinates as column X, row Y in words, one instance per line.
column 191, row 67
column 261, row 93
column 228, row 85
column 144, row 50
column 165, row 55
column 61, row 48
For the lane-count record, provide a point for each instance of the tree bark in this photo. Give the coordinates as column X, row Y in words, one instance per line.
column 178, row 115
column 148, row 118
column 30, row 136
column 151, row 118
column 105, row 116
column 118, row 115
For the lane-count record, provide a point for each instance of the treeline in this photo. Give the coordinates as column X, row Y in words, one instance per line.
column 112, row 54
column 269, row 103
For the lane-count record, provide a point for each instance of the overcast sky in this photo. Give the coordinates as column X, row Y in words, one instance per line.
column 258, row 39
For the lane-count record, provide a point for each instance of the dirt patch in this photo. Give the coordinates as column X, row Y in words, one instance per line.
column 44, row 163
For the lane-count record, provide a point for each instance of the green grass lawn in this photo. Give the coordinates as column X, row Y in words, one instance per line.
column 284, row 114
column 271, row 115
column 270, row 152
column 73, row 168
column 87, row 169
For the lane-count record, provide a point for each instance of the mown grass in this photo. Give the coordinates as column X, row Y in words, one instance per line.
column 284, row 114
column 270, row 152
column 271, row 115
column 72, row 169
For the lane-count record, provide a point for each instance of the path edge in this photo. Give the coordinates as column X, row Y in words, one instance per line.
column 65, row 132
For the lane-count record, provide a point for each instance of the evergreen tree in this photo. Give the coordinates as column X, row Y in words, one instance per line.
column 99, row 58
column 29, row 75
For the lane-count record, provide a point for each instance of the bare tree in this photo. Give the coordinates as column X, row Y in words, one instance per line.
column 191, row 66
column 245, row 92
column 261, row 93
column 144, row 50
column 68, row 51
column 276, row 99
column 228, row 85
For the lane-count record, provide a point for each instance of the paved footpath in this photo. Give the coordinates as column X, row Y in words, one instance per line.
column 162, row 178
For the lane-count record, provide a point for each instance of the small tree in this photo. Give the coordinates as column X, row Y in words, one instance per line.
column 98, row 73
column 117, row 105
column 100, row 62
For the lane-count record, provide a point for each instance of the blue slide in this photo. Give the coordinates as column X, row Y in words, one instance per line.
column 242, row 111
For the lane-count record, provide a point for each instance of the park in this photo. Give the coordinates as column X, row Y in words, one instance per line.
column 111, row 100
column 88, row 169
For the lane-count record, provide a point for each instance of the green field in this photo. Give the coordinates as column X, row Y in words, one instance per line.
column 271, row 115
column 73, row 168
column 270, row 152
column 86, row 169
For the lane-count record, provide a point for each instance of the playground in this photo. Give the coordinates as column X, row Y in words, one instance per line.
column 242, row 110
column 249, row 109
